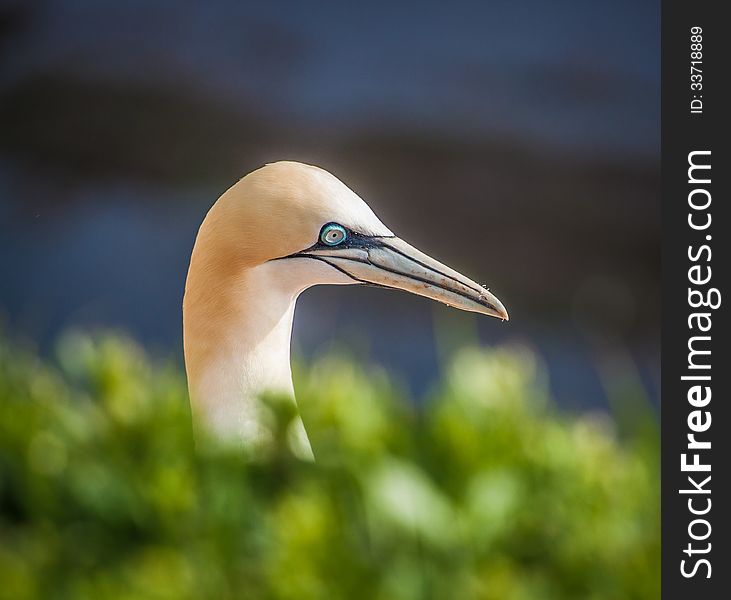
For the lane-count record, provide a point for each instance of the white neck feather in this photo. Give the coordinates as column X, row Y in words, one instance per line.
column 237, row 334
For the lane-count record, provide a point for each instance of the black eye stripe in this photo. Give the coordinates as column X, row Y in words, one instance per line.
column 353, row 239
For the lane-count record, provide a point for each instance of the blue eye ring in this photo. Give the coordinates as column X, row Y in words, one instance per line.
column 333, row 234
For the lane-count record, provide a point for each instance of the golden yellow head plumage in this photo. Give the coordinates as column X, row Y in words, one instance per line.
column 280, row 209
column 277, row 231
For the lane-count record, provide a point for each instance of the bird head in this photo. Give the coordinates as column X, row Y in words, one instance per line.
column 312, row 229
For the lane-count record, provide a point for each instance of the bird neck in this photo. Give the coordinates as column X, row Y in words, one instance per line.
column 237, row 329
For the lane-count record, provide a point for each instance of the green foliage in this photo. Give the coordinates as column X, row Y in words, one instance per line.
column 486, row 492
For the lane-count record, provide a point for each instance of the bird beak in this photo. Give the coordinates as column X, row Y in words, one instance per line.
column 390, row 262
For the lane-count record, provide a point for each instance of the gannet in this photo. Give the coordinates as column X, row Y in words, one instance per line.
column 279, row 230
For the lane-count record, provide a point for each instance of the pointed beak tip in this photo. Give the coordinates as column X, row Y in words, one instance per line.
column 502, row 314
column 496, row 308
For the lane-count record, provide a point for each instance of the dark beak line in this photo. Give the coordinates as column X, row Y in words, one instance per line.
column 336, row 267
column 479, row 300
column 431, row 268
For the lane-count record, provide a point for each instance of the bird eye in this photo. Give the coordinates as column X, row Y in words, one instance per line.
column 333, row 234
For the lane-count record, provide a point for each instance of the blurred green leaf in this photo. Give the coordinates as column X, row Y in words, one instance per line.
column 487, row 491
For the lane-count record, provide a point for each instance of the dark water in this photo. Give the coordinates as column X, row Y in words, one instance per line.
column 574, row 75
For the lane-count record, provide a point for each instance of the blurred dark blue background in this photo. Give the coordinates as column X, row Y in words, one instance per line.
column 517, row 141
